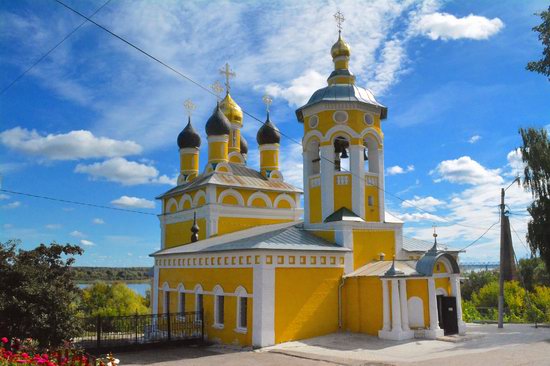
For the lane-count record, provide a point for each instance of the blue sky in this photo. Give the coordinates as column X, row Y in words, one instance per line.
column 97, row 121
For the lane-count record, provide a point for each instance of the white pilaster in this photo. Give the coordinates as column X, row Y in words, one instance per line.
column 381, row 184
column 434, row 330
column 386, row 306
column 327, row 180
column 455, row 291
column 155, row 289
column 404, row 308
column 396, row 333
column 263, row 329
column 357, row 168
column 306, row 169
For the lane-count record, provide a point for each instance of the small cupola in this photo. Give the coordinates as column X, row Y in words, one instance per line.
column 268, row 133
column 188, row 137
column 218, row 124
column 340, row 48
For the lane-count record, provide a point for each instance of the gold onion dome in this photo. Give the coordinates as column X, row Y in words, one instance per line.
column 217, row 124
column 231, row 109
column 340, row 48
column 189, row 137
column 268, row 133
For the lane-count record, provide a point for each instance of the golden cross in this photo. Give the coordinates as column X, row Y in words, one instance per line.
column 267, row 101
column 217, row 88
column 228, row 74
column 189, row 106
column 339, row 17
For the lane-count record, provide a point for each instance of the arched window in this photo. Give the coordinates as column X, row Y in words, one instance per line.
column 371, row 154
column 219, row 307
column 199, row 302
column 313, row 158
column 181, row 299
column 242, row 309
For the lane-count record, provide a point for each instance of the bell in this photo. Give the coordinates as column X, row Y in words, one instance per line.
column 365, row 156
column 344, row 154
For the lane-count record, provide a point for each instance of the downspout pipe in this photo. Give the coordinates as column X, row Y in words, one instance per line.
column 340, row 286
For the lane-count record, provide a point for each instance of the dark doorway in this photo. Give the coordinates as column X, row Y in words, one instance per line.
column 447, row 314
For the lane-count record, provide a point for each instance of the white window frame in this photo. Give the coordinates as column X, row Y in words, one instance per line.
column 198, row 293
column 218, row 292
column 241, row 294
column 181, row 292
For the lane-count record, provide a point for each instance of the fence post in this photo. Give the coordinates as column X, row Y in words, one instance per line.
column 98, row 331
column 168, row 326
column 136, row 326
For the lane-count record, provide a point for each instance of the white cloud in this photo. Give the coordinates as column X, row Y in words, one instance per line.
column 86, row 242
column 515, row 162
column 425, row 203
column 124, row 172
column 292, row 165
column 448, row 27
column 465, row 170
column 73, row 145
column 4, row 197
column 52, row 226
column 396, row 169
column 420, row 216
column 77, row 234
column 299, row 89
column 474, row 139
column 98, row 221
column 133, row 202
column 12, row 205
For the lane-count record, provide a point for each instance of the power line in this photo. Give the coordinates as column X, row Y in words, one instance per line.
column 139, row 49
column 51, row 50
column 76, row 202
column 519, row 238
column 482, row 235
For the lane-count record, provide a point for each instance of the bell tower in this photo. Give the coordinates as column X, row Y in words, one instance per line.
column 343, row 156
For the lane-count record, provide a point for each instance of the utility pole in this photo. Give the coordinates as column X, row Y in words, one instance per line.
column 507, row 264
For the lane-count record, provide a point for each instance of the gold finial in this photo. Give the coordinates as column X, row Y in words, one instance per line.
column 434, row 234
column 189, row 106
column 228, row 74
column 217, row 88
column 339, row 17
column 267, row 101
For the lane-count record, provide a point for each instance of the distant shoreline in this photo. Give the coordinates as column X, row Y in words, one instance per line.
column 86, row 282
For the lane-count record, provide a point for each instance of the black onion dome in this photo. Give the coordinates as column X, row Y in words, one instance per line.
column 218, row 124
column 188, row 137
column 268, row 133
column 244, row 146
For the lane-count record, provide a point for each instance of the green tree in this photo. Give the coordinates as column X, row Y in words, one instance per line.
column 535, row 153
column 111, row 300
column 542, row 66
column 475, row 281
column 533, row 272
column 37, row 292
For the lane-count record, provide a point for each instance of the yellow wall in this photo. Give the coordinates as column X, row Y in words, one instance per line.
column 342, row 194
column 232, row 224
column 217, row 151
column 355, row 121
column 229, row 279
column 180, row 233
column 419, row 288
column 367, row 245
column 306, row 302
column 269, row 159
column 362, row 305
column 372, row 213
column 189, row 162
column 315, row 212
column 327, row 235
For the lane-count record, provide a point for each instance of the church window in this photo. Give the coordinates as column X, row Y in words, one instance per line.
column 371, row 154
column 369, row 121
column 242, row 312
column 166, row 307
column 181, row 307
column 219, row 310
column 371, row 201
column 340, row 117
column 198, row 303
column 341, row 154
column 313, row 121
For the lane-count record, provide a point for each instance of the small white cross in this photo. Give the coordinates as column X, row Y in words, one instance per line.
column 228, row 74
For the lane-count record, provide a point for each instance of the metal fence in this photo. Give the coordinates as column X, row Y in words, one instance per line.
column 103, row 332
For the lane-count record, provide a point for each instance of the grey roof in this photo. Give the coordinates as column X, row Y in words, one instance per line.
column 188, row 137
column 292, row 238
column 288, row 236
column 268, row 133
column 242, row 177
column 380, row 268
column 343, row 214
column 417, row 245
column 343, row 93
column 426, row 263
column 218, row 124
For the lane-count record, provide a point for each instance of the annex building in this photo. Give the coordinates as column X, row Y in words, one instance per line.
column 237, row 245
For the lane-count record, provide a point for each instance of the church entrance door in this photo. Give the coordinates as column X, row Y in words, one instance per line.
column 447, row 313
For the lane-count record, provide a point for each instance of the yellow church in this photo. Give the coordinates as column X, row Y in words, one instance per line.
column 236, row 244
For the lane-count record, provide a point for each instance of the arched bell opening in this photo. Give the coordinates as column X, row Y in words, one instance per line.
column 312, row 158
column 341, row 154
